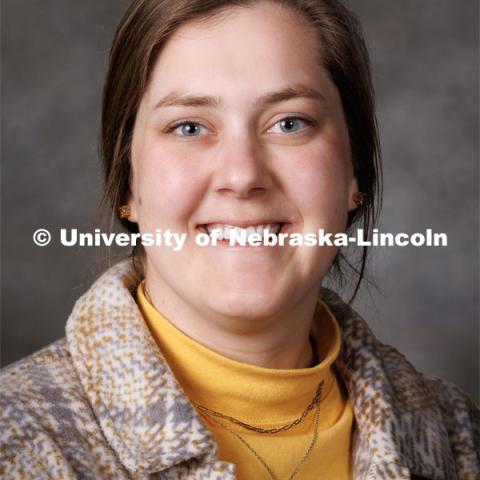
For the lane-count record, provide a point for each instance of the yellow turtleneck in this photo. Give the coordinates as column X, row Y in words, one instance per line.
column 268, row 398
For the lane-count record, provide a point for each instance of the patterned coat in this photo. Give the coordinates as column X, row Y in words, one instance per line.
column 102, row 403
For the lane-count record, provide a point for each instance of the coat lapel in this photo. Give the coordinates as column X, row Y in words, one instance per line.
column 142, row 410
column 400, row 427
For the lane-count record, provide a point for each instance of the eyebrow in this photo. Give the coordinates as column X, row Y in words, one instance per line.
column 179, row 99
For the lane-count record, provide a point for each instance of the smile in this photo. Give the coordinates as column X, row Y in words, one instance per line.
column 225, row 231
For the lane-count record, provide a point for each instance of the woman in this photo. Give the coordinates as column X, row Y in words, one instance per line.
column 227, row 361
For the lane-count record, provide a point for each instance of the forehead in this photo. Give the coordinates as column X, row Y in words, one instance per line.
column 245, row 50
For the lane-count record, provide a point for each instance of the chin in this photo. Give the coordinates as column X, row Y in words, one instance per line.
column 247, row 302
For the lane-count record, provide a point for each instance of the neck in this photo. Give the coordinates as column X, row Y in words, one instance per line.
column 279, row 342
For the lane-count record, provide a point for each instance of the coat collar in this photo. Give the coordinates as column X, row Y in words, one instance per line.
column 401, row 428
column 142, row 410
column 152, row 426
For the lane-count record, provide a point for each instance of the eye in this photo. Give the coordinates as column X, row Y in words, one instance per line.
column 187, row 128
column 290, row 125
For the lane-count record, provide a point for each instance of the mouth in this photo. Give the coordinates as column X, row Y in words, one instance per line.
column 225, row 231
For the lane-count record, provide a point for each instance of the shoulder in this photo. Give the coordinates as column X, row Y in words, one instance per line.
column 461, row 417
column 452, row 399
column 431, row 424
column 47, row 427
column 47, row 367
column 31, row 415
column 39, row 384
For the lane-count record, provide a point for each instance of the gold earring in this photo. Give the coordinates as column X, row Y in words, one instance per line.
column 359, row 198
column 124, row 211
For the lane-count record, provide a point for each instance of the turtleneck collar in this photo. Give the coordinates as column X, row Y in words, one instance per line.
column 253, row 394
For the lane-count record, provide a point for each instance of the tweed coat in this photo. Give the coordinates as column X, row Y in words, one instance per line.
column 102, row 403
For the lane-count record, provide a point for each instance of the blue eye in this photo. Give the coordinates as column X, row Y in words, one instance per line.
column 290, row 125
column 187, row 128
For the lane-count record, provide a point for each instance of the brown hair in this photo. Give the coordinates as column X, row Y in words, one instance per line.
column 146, row 27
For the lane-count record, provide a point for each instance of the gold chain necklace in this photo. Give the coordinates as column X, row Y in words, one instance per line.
column 283, row 428
column 213, row 413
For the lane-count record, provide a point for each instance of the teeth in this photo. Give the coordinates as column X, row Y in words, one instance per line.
column 224, row 231
column 218, row 232
column 260, row 229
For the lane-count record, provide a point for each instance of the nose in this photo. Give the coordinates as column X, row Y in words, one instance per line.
column 241, row 168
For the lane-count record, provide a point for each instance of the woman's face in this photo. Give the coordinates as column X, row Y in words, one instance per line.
column 240, row 126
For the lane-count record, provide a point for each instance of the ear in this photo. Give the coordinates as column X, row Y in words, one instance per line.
column 352, row 189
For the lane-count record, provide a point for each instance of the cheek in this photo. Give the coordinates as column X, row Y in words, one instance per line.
column 319, row 179
column 169, row 184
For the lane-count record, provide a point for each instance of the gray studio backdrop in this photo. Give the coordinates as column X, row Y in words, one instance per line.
column 425, row 64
